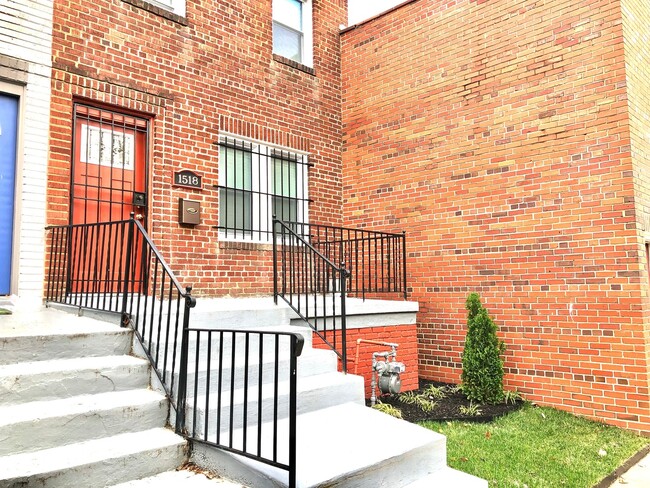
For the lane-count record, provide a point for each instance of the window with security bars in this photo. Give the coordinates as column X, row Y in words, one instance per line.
column 256, row 182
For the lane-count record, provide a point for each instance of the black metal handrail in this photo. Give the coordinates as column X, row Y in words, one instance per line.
column 376, row 261
column 312, row 285
column 253, row 412
column 115, row 267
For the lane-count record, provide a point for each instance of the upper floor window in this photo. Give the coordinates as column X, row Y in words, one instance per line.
column 175, row 6
column 257, row 181
column 292, row 30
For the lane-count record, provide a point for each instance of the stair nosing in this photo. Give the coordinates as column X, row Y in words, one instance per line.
column 87, row 452
column 70, row 364
column 39, row 410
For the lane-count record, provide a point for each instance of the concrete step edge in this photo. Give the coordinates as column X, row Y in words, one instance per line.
column 64, row 378
column 97, row 462
column 69, row 364
column 383, row 452
column 43, row 409
column 316, row 383
column 179, row 478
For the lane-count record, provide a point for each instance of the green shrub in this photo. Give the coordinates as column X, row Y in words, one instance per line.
column 482, row 376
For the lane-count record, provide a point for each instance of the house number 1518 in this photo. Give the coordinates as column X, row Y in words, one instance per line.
column 187, row 178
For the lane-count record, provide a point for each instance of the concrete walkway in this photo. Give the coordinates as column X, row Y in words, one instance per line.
column 638, row 476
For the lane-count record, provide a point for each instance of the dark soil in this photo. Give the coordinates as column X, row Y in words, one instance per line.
column 448, row 408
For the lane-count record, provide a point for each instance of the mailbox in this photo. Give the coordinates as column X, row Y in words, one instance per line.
column 189, row 211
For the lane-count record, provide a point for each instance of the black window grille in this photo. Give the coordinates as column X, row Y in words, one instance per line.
column 256, row 182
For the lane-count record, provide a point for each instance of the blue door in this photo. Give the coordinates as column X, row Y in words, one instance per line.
column 8, row 133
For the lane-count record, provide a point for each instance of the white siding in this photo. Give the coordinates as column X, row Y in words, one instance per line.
column 26, row 36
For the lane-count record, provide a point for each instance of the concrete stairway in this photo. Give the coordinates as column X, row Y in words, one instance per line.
column 340, row 442
column 75, row 408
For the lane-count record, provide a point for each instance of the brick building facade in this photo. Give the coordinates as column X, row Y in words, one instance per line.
column 188, row 77
column 510, row 141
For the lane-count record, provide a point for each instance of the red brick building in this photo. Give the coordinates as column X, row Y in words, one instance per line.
column 510, row 141
column 178, row 85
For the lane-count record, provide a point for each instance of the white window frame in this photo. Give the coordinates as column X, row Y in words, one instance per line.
column 261, row 183
column 175, row 6
column 307, row 32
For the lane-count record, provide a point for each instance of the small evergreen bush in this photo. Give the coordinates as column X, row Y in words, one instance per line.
column 482, row 376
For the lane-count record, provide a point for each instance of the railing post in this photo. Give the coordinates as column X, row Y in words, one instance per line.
column 404, row 263
column 190, row 302
column 343, row 277
column 275, row 262
column 297, row 342
column 127, row 268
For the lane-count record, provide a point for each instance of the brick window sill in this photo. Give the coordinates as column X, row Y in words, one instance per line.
column 161, row 12
column 294, row 64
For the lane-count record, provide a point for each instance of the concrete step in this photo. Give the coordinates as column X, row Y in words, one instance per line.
column 53, row 334
column 62, row 378
column 312, row 362
column 358, row 446
column 171, row 347
column 46, row 424
column 99, row 462
column 181, row 478
column 316, row 392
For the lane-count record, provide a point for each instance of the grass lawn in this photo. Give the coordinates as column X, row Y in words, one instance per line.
column 538, row 447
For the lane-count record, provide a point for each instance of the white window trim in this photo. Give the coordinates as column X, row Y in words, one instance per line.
column 175, row 6
column 307, row 32
column 302, row 177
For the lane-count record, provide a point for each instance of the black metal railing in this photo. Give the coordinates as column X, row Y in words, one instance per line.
column 313, row 286
column 242, row 393
column 115, row 267
column 376, row 261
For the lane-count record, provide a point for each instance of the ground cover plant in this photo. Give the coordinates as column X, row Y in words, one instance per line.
column 537, row 448
column 442, row 401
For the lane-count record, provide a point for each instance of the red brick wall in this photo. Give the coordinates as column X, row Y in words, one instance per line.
column 636, row 18
column 360, row 353
column 497, row 135
column 212, row 71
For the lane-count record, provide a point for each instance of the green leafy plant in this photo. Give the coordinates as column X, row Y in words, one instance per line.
column 388, row 409
column 421, row 400
column 471, row 410
column 511, row 396
column 434, row 392
column 482, row 375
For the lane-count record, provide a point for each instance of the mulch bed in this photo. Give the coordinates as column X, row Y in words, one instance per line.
column 448, row 408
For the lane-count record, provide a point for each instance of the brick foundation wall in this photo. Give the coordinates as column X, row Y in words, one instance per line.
column 497, row 134
column 211, row 71
column 405, row 336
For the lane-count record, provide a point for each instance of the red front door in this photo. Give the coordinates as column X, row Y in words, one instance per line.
column 108, row 184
